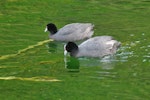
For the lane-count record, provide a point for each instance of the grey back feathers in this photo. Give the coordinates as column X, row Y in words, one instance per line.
column 71, row 32
column 99, row 46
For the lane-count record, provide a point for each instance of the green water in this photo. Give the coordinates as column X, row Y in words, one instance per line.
column 32, row 69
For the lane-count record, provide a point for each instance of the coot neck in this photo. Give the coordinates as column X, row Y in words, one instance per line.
column 53, row 32
column 74, row 52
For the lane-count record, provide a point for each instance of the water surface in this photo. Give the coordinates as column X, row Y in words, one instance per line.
column 31, row 69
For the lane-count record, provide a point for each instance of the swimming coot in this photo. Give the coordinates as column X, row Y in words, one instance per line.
column 99, row 46
column 70, row 32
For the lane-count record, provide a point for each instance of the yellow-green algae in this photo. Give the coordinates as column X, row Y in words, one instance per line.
column 41, row 78
column 24, row 50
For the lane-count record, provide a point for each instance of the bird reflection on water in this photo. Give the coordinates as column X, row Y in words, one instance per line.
column 52, row 46
column 72, row 64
